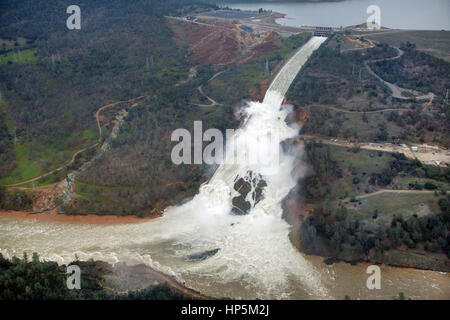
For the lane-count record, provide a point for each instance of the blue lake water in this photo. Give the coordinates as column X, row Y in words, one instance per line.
column 399, row 14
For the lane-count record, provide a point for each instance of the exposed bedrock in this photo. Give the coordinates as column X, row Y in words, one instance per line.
column 250, row 191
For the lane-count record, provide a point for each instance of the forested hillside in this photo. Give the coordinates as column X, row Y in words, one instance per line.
column 52, row 96
column 416, row 70
column 344, row 100
column 137, row 175
column 25, row 279
column 48, row 102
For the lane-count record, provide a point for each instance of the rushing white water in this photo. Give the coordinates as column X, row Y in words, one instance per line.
column 255, row 257
column 284, row 78
column 255, row 252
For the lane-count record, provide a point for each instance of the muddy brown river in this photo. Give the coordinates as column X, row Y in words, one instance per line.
column 223, row 255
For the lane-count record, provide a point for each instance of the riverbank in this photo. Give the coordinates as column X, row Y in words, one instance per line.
column 401, row 257
column 100, row 281
column 120, row 277
column 54, row 216
column 124, row 278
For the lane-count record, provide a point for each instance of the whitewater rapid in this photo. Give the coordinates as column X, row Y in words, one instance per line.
column 252, row 254
column 255, row 257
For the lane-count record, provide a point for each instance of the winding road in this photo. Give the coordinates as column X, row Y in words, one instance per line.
column 396, row 90
column 54, row 170
column 200, row 89
column 97, row 117
column 213, row 102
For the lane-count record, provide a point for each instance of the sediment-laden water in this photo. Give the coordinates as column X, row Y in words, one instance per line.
column 218, row 253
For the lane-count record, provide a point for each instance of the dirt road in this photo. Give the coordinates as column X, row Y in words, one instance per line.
column 54, row 170
column 200, row 89
column 396, row 90
column 213, row 102
column 431, row 155
column 357, row 112
column 97, row 117
column 368, row 195
column 97, row 114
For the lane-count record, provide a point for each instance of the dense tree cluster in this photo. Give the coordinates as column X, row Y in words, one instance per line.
column 416, row 70
column 334, row 226
column 432, row 232
column 77, row 71
column 139, row 165
column 316, row 82
column 22, row 279
column 330, row 77
column 7, row 156
column 380, row 51
column 337, row 80
column 14, row 200
column 413, row 168
column 325, row 171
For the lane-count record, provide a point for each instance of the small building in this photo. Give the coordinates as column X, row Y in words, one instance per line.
column 323, row 31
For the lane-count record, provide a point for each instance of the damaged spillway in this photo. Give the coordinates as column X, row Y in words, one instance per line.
column 230, row 239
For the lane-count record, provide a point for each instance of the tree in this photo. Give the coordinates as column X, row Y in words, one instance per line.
column 444, row 205
column 364, row 118
column 341, row 213
column 336, row 240
column 382, row 134
column 430, row 186
column 375, row 214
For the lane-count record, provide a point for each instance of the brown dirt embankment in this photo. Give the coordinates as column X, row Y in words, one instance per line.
column 130, row 278
column 53, row 216
column 220, row 42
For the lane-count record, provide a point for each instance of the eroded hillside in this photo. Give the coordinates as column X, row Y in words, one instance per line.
column 221, row 42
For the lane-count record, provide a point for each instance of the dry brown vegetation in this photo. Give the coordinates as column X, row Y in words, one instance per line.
column 221, row 42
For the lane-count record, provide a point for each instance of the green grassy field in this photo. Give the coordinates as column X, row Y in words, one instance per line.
column 240, row 80
column 402, row 182
column 26, row 169
column 84, row 188
column 432, row 42
column 61, row 174
column 20, row 57
column 29, row 167
column 363, row 160
column 231, row 86
column 98, row 198
column 389, row 204
column 8, row 119
column 356, row 165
